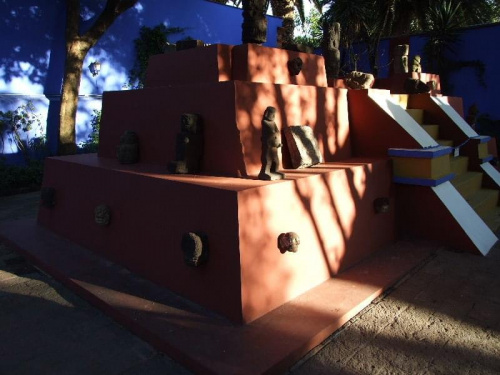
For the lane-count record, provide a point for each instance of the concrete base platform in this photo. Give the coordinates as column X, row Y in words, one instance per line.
column 198, row 338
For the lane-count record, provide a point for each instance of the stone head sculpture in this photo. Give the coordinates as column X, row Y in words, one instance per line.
column 295, row 66
column 102, row 215
column 381, row 205
column 195, row 249
column 288, row 242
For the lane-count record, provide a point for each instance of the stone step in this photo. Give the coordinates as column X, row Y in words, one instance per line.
column 445, row 142
column 433, row 130
column 459, row 165
column 468, row 183
column 492, row 219
column 417, row 114
column 483, row 201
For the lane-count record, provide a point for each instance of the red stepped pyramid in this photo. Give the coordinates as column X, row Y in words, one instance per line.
column 330, row 206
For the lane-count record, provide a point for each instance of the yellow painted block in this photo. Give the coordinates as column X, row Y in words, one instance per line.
column 432, row 130
column 428, row 168
column 459, row 164
column 445, row 142
column 417, row 114
column 482, row 150
column 401, row 99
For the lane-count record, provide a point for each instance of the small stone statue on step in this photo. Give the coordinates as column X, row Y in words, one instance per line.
column 188, row 146
column 401, row 58
column 415, row 64
column 127, row 151
column 271, row 141
column 331, row 49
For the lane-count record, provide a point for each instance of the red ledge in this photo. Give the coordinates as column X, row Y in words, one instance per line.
column 200, row 339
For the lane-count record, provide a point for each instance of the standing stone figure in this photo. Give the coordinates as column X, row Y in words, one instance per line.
column 331, row 51
column 415, row 64
column 271, row 141
column 188, row 146
column 401, row 58
column 254, row 27
column 127, row 151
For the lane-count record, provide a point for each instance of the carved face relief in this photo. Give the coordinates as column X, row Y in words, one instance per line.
column 102, row 215
column 189, row 123
column 48, row 197
column 195, row 249
column 288, row 242
column 381, row 205
column 295, row 66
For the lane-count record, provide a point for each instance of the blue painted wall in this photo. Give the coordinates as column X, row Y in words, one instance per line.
column 32, row 45
column 476, row 43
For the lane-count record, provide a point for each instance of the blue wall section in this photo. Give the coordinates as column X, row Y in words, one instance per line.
column 33, row 49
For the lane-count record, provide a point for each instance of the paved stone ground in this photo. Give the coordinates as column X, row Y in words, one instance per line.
column 442, row 319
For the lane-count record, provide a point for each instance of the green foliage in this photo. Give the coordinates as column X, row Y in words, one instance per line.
column 310, row 31
column 91, row 145
column 17, row 124
column 16, row 179
column 443, row 22
column 151, row 41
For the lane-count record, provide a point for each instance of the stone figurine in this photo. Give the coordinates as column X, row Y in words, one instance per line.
column 288, row 242
column 295, row 66
column 415, row 64
column 188, row 146
column 331, row 49
column 102, row 215
column 271, row 141
column 127, row 151
column 401, row 58
column 48, row 197
column 415, row 86
column 359, row 80
column 254, row 27
column 195, row 249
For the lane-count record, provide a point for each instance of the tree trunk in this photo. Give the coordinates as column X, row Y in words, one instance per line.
column 75, row 55
column 77, row 47
column 286, row 10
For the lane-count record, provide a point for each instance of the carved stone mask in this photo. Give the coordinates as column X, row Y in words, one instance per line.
column 295, row 66
column 381, row 205
column 195, row 249
column 288, row 242
column 102, row 215
column 48, row 197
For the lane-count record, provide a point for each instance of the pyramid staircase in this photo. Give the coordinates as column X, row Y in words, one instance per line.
column 469, row 183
